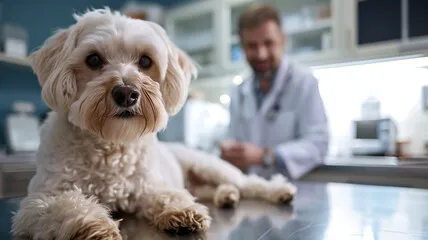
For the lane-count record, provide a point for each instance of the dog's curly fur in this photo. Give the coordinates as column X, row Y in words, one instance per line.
column 93, row 161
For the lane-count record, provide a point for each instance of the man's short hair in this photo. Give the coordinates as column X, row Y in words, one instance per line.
column 257, row 14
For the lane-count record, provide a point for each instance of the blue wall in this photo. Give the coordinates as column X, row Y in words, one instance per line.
column 40, row 19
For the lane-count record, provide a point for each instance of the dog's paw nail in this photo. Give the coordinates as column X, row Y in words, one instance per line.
column 227, row 196
column 230, row 201
column 180, row 231
column 228, row 205
column 286, row 199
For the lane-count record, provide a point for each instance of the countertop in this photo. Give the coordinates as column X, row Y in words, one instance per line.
column 416, row 162
column 320, row 211
column 386, row 171
column 332, row 161
column 393, row 165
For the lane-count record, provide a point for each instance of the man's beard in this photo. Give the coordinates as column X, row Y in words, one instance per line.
column 267, row 74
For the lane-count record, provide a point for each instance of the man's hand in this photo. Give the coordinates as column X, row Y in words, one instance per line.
column 242, row 155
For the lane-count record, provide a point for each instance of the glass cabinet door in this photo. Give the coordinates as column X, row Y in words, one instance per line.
column 308, row 25
column 195, row 35
column 236, row 10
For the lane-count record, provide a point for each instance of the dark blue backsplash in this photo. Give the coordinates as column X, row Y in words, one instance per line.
column 40, row 19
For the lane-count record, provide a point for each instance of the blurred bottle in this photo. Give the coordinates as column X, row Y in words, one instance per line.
column 22, row 129
column 370, row 108
column 326, row 41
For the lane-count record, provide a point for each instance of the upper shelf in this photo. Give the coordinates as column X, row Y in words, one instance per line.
column 15, row 60
column 319, row 25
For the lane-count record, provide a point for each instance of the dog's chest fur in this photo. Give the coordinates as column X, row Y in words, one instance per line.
column 117, row 174
column 109, row 171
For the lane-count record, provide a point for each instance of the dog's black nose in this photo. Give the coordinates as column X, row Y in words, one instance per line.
column 125, row 95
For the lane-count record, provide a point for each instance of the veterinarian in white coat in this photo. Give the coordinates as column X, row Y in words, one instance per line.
column 278, row 121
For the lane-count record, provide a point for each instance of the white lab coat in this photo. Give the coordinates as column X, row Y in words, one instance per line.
column 299, row 132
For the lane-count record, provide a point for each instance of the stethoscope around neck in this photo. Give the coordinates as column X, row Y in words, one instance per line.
column 276, row 107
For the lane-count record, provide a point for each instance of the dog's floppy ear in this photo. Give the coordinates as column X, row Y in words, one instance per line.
column 180, row 71
column 55, row 75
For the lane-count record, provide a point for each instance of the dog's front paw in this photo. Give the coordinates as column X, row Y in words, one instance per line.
column 226, row 196
column 282, row 194
column 98, row 230
column 281, row 197
column 280, row 191
column 182, row 221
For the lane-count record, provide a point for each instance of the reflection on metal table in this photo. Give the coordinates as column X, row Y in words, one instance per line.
column 321, row 211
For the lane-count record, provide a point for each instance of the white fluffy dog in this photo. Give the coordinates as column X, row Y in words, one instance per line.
column 112, row 82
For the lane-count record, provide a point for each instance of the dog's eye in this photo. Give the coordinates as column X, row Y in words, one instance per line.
column 145, row 62
column 94, row 61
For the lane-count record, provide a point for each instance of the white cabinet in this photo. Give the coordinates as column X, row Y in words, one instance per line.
column 384, row 29
column 318, row 31
column 207, row 30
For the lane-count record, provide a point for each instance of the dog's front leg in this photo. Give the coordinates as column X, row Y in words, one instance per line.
column 174, row 210
column 64, row 216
